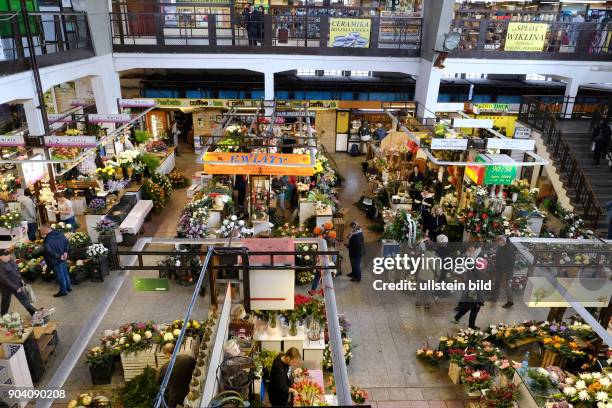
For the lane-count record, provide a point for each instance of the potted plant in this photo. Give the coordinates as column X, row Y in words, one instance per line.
column 137, row 170
column 499, row 397
column 97, row 205
column 475, row 381
column 106, row 236
column 101, row 362
column 99, row 253
column 78, row 244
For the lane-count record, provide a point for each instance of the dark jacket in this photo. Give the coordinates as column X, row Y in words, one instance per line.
column 10, row 278
column 356, row 246
column 55, row 244
column 601, row 136
column 178, row 385
column 504, row 259
column 279, row 382
column 416, row 177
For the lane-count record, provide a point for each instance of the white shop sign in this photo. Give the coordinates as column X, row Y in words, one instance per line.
column 71, row 141
column 137, row 103
column 511, row 144
column 12, row 140
column 59, row 117
column 449, row 144
column 449, row 106
column 522, row 132
column 31, row 171
column 472, row 123
column 109, row 118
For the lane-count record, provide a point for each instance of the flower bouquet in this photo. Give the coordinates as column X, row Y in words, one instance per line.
column 106, row 173
column 9, row 183
column 78, row 240
column 127, row 157
column 476, row 380
column 10, row 220
column 326, row 232
column 97, row 251
column 31, row 269
column 101, row 362
column 97, row 205
column 288, row 230
column 307, row 393
column 159, row 189
column 233, row 228
column 500, row 397
column 106, row 226
column 587, row 390
column 12, row 324
column 430, row 356
column 178, row 180
column 507, row 367
column 299, row 374
column 359, row 395
column 540, row 379
column 347, row 347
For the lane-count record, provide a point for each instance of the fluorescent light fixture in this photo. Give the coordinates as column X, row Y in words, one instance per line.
column 583, row 1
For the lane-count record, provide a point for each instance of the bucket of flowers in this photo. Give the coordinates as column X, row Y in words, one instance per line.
column 307, row 393
column 232, row 227
column 358, row 395
column 99, row 253
column 101, row 362
column 475, row 381
column 10, row 220
column 78, row 271
column 78, row 244
column 178, row 180
column 106, row 173
column 31, row 269
column 500, row 397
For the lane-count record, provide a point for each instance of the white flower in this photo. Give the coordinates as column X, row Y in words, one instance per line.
column 596, row 376
column 476, row 374
column 601, row 396
column 225, row 222
column 585, row 376
column 136, row 338
column 148, row 334
column 605, row 382
column 580, row 385
column 569, row 391
column 168, row 337
column 569, row 381
column 494, row 331
column 176, row 332
column 583, row 395
column 241, row 223
column 233, row 218
column 533, row 328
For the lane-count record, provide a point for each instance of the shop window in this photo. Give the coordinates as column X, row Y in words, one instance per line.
column 361, row 73
column 536, row 77
column 313, row 95
column 161, row 93
column 347, row 96
column 482, row 99
column 363, row 96
column 509, row 99
column 332, row 72
column 306, row 72
column 281, row 95
column 228, row 94
column 257, row 94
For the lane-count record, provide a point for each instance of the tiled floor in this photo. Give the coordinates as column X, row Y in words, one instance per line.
column 386, row 328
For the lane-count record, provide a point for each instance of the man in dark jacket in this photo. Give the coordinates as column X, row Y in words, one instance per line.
column 504, row 264
column 356, row 248
column 12, row 284
column 56, row 254
column 280, row 383
column 601, row 139
column 178, row 384
column 251, row 23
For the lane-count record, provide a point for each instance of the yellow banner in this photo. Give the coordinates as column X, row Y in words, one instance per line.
column 526, row 37
column 258, row 163
column 349, row 32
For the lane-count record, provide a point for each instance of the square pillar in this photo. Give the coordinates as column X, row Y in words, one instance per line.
column 571, row 90
column 106, row 90
column 427, row 89
column 34, row 118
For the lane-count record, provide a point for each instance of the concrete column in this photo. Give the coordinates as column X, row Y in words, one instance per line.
column 437, row 18
column 268, row 86
column 427, row 89
column 82, row 87
column 33, row 117
column 99, row 26
column 571, row 90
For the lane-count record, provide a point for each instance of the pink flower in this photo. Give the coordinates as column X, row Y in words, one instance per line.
column 493, row 358
column 141, row 326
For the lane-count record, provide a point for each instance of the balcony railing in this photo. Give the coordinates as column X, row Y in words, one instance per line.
column 56, row 37
column 563, row 41
column 282, row 29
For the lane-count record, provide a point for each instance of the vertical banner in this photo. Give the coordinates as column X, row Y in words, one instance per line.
column 349, row 32
column 526, row 37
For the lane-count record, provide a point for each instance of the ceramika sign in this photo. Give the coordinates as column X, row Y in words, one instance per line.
column 526, row 37
column 349, row 32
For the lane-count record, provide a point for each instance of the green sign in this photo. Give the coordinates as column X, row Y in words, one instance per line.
column 500, row 174
column 151, row 284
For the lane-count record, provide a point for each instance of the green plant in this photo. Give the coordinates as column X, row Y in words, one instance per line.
column 139, row 392
column 142, row 136
column 150, row 162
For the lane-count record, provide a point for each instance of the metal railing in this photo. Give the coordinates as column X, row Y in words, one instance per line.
column 305, row 30
column 579, row 107
column 539, row 115
column 56, row 37
column 487, row 39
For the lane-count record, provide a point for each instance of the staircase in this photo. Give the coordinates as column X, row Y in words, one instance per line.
column 568, row 144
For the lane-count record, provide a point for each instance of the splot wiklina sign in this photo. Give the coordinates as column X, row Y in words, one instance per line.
column 526, row 37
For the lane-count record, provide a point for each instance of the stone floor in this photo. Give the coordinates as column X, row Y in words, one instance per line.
column 386, row 327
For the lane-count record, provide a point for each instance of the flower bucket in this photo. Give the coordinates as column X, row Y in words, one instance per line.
column 77, row 253
column 32, row 274
column 137, row 178
column 80, row 275
column 102, row 373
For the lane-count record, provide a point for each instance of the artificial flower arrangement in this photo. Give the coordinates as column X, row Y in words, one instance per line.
column 97, row 251
column 307, row 394
column 97, row 205
column 106, row 226
column 430, row 356
column 476, row 380
column 10, row 220
column 78, row 239
column 159, row 189
column 9, row 183
column 500, row 397
column 587, row 390
column 127, row 157
column 232, row 227
column 178, row 180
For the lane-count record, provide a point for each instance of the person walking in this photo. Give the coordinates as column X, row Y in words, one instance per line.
column 64, row 207
column 601, row 140
column 56, row 248
column 175, row 137
column 260, row 24
column 12, row 284
column 356, row 248
column 28, row 211
column 178, row 384
column 471, row 300
column 504, row 265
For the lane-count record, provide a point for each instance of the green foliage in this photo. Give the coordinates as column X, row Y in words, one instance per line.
column 150, row 161
column 142, row 136
column 140, row 391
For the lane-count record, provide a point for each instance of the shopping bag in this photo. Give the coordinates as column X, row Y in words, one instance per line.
column 593, row 146
column 30, row 293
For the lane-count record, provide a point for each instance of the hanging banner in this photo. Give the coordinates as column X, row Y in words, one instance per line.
column 109, row 118
column 491, row 107
column 59, row 118
column 511, row 144
column 349, row 32
column 449, row 144
column 258, row 164
column 12, row 140
column 71, row 141
column 526, row 37
column 136, row 103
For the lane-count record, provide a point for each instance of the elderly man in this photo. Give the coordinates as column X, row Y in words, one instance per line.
column 504, row 265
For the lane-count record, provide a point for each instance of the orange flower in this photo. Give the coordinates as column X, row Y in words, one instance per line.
column 328, row 225
column 547, row 340
column 317, row 230
column 557, row 345
column 573, row 345
column 332, row 234
column 596, row 386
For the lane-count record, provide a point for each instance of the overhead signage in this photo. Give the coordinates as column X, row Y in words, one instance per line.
column 71, row 141
column 511, row 144
column 492, row 107
column 82, row 102
column 349, row 32
column 472, row 123
column 240, row 103
column 294, row 114
column 137, row 103
column 31, row 171
column 521, row 132
column 12, row 140
column 494, row 173
column 59, row 118
column 258, row 164
column 109, row 118
column 449, row 144
column 500, row 174
column 528, row 37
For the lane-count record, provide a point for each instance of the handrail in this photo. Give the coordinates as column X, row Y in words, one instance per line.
column 561, row 150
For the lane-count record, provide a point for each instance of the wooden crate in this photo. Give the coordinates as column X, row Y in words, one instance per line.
column 454, row 372
column 135, row 363
column 521, row 342
column 550, row 358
